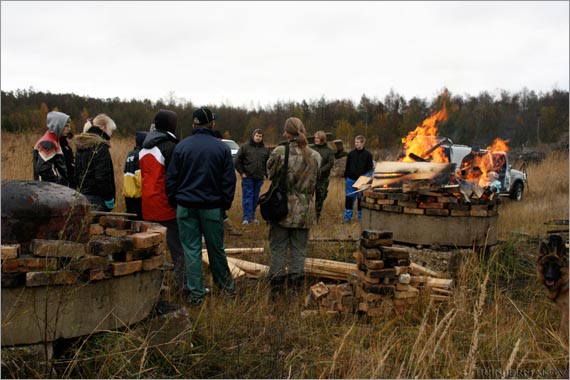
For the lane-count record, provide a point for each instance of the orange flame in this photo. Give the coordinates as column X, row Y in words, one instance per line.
column 422, row 139
column 498, row 145
column 488, row 162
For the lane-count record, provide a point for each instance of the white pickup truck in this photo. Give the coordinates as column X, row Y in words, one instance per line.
column 513, row 182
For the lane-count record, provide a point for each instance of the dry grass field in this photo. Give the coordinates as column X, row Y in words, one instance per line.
column 498, row 323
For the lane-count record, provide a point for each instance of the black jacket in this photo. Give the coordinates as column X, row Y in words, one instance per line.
column 358, row 162
column 251, row 159
column 93, row 165
column 201, row 173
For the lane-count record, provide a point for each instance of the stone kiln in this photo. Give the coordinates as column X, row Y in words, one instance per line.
column 63, row 276
column 422, row 204
column 432, row 218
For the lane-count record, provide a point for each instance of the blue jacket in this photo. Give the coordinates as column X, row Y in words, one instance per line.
column 201, row 173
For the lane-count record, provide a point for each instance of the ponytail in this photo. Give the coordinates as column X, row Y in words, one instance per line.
column 294, row 126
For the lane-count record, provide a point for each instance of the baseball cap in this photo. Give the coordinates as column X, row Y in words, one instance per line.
column 203, row 116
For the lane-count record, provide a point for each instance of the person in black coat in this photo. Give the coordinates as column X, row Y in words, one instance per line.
column 359, row 162
column 94, row 173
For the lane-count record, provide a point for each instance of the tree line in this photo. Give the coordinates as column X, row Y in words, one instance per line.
column 523, row 118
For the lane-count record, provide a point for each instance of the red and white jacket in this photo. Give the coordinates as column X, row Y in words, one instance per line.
column 153, row 161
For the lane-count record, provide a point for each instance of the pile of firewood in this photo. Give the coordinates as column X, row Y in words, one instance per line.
column 117, row 247
column 385, row 280
column 423, row 188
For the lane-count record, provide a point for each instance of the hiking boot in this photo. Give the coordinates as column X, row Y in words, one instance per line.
column 277, row 287
column 229, row 227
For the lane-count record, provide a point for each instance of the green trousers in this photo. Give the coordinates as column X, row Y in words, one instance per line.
column 192, row 224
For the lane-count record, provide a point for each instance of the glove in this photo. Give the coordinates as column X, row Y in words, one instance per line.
column 110, row 204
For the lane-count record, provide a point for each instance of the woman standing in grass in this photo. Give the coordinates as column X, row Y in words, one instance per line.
column 93, row 165
column 292, row 232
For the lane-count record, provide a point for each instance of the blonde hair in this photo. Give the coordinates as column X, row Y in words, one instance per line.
column 322, row 136
column 294, row 126
column 101, row 120
column 361, row 138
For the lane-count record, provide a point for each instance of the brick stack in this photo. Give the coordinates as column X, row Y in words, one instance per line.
column 117, row 247
column 433, row 203
column 385, row 280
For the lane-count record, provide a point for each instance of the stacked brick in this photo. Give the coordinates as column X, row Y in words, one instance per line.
column 386, row 280
column 117, row 247
column 433, row 203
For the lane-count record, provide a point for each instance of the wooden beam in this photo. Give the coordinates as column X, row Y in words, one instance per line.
column 110, row 213
column 418, row 270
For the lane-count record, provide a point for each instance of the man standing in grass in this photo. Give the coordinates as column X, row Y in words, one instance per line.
column 250, row 164
column 359, row 162
column 154, row 160
column 201, row 183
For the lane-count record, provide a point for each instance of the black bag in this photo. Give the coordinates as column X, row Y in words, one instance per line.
column 273, row 204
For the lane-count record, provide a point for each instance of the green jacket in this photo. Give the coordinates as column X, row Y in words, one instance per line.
column 327, row 159
column 301, row 183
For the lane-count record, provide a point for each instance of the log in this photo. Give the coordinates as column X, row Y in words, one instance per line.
column 251, row 268
column 235, row 271
column 236, row 251
column 329, row 265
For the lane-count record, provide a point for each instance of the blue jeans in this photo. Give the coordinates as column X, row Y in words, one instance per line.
column 349, row 200
column 192, row 224
column 250, row 194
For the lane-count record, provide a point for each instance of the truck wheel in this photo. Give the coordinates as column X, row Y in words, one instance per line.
column 517, row 192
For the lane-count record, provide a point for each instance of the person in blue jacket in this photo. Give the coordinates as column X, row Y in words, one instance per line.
column 200, row 183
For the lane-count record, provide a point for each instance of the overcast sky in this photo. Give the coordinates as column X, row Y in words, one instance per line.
column 257, row 53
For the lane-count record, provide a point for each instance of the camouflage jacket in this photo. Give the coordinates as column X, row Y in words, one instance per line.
column 301, row 182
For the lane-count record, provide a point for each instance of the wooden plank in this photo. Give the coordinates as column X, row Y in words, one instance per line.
column 444, row 283
column 362, row 182
column 410, row 167
column 423, row 271
column 442, row 291
column 112, row 213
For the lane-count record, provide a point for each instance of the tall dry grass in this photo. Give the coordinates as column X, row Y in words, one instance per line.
column 498, row 324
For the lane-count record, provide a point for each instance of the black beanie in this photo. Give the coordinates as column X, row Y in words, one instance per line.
column 165, row 120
